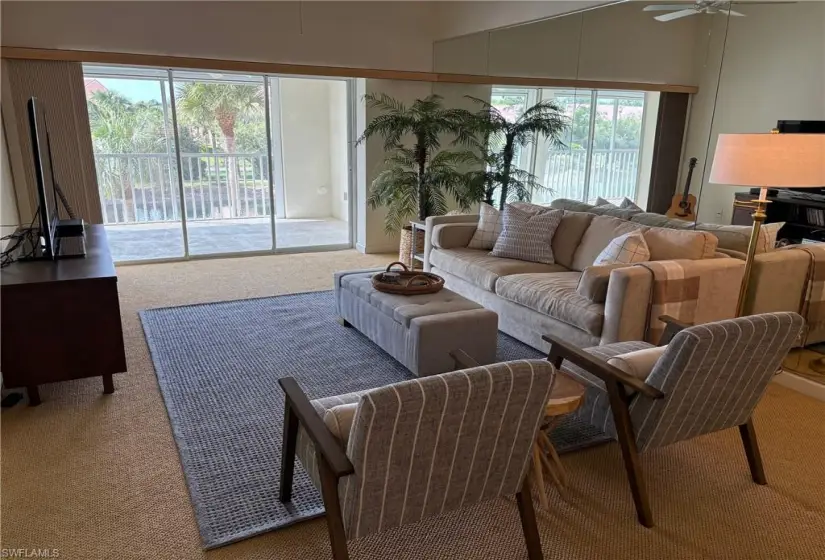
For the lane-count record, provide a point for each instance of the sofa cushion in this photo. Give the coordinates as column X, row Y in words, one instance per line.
column 736, row 238
column 602, row 230
column 626, row 249
column 571, row 205
column 528, row 236
column 671, row 244
column 569, row 235
column 481, row 269
column 489, row 228
column 615, row 211
column 658, row 220
column 553, row 295
column 628, row 204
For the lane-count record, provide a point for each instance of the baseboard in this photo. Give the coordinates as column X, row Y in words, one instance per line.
column 361, row 248
column 801, row 385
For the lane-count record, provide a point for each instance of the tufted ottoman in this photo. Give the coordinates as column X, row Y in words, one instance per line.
column 418, row 331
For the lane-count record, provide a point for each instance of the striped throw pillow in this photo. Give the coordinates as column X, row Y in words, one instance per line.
column 527, row 236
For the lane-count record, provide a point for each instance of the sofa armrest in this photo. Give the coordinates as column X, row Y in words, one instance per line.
column 731, row 253
column 434, row 221
column 626, row 304
column 778, row 281
column 451, row 236
column 594, row 281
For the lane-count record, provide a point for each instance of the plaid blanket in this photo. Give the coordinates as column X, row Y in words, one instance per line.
column 812, row 306
column 691, row 291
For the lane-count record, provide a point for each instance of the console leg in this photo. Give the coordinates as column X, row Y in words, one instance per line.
column 108, row 384
column 34, row 395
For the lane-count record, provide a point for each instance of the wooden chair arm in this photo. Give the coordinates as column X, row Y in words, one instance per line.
column 463, row 360
column 672, row 327
column 560, row 350
column 325, row 443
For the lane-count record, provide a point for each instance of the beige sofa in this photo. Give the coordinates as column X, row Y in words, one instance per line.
column 780, row 279
column 583, row 304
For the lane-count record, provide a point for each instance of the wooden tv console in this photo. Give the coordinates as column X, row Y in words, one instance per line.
column 61, row 319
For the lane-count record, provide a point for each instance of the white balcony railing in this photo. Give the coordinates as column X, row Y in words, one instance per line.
column 613, row 173
column 143, row 188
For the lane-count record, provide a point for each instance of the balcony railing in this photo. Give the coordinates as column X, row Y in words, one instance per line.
column 143, row 188
column 613, row 173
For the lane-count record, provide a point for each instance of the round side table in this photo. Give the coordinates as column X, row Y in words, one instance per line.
column 566, row 397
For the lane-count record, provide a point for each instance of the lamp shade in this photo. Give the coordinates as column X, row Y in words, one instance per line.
column 769, row 160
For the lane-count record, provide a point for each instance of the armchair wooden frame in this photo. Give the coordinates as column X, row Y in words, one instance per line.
column 333, row 464
column 620, row 389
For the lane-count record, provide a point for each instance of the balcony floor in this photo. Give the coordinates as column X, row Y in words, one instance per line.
column 136, row 242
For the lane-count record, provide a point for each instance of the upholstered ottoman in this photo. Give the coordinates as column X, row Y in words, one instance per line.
column 418, row 331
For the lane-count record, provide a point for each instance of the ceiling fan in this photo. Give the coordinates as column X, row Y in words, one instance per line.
column 680, row 10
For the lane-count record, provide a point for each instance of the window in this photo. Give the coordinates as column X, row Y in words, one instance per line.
column 602, row 147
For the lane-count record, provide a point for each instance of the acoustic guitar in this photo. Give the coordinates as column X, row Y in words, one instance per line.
column 683, row 206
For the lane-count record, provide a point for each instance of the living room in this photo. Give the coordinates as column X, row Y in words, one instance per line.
column 234, row 417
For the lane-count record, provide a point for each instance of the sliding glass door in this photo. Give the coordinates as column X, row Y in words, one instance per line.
column 134, row 148
column 201, row 164
column 222, row 133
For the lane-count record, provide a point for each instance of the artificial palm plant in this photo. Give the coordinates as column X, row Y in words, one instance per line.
column 495, row 138
column 416, row 181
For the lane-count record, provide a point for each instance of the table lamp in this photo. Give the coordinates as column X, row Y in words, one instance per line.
column 770, row 160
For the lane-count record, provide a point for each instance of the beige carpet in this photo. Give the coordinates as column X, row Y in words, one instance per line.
column 98, row 476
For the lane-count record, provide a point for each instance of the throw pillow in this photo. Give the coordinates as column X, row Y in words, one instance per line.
column 488, row 230
column 526, row 236
column 630, row 205
column 530, row 207
column 604, row 202
column 625, row 249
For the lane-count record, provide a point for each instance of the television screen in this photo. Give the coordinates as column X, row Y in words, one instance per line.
column 44, row 175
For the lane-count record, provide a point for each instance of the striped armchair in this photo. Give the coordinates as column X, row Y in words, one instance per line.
column 401, row 453
column 705, row 378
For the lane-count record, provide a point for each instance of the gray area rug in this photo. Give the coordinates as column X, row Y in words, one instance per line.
column 218, row 365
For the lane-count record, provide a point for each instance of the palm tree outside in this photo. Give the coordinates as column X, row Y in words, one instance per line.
column 221, row 107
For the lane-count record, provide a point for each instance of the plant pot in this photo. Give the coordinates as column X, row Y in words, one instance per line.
column 404, row 250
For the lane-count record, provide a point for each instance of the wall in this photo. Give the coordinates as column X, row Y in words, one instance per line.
column 615, row 43
column 462, row 18
column 9, row 216
column 389, row 35
column 773, row 68
column 370, row 234
column 315, row 144
column 339, row 147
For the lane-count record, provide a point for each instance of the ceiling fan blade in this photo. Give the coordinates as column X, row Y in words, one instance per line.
column 664, row 7
column 676, row 15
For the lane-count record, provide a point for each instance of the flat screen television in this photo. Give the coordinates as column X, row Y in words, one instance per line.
column 44, row 175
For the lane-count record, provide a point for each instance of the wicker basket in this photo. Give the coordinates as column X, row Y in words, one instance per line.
column 406, row 243
column 407, row 282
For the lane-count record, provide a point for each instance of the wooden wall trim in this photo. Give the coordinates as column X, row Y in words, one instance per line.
column 164, row 61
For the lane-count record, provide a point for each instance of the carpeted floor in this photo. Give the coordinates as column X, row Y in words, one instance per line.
column 99, row 477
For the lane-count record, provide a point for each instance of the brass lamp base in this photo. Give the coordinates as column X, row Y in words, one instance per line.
column 759, row 206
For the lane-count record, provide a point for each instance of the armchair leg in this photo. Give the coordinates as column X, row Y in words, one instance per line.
column 527, row 513
column 288, row 453
column 335, row 521
column 752, row 452
column 630, row 454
